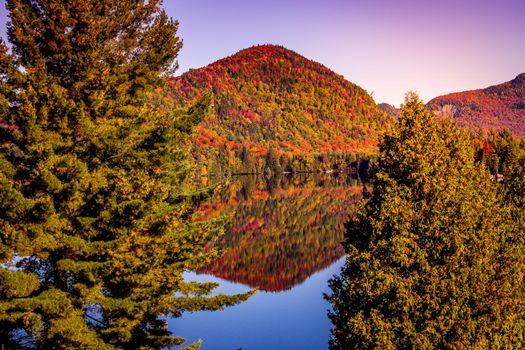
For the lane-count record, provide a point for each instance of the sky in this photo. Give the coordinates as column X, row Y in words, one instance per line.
column 388, row 47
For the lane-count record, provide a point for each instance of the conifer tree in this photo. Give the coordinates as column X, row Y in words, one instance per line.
column 433, row 260
column 512, row 191
column 271, row 163
column 96, row 206
column 506, row 149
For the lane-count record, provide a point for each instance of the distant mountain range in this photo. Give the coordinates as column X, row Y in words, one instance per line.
column 496, row 107
column 268, row 98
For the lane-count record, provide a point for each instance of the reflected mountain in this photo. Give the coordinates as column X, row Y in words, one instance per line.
column 281, row 230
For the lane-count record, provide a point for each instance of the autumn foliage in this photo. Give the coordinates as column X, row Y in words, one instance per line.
column 496, row 107
column 268, row 97
column 435, row 258
column 281, row 230
column 95, row 193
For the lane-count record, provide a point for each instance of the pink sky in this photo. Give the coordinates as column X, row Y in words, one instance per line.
column 387, row 47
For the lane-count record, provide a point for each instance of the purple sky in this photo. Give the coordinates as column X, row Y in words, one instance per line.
column 386, row 46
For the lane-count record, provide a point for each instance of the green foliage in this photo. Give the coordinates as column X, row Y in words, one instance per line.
column 271, row 163
column 434, row 257
column 96, row 207
column 512, row 191
column 500, row 151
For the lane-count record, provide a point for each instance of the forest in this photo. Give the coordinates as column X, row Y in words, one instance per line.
column 96, row 181
column 496, row 107
column 272, row 100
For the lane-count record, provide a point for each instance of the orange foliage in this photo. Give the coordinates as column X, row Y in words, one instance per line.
column 496, row 107
column 270, row 97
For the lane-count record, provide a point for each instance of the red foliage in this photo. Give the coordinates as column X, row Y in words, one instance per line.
column 496, row 107
column 270, row 97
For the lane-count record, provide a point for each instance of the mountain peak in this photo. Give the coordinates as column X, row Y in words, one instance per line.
column 389, row 109
column 261, row 51
column 519, row 80
column 263, row 56
column 267, row 97
column 267, row 48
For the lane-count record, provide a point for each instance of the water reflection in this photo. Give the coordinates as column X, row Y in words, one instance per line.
column 282, row 230
column 289, row 320
column 283, row 237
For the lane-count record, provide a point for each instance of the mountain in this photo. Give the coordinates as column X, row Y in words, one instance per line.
column 496, row 107
column 390, row 110
column 272, row 100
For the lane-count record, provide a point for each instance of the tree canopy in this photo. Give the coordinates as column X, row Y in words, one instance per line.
column 96, row 220
column 434, row 257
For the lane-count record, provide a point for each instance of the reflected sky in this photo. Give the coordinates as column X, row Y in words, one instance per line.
column 283, row 237
column 293, row 319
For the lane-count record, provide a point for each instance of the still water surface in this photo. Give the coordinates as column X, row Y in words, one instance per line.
column 284, row 240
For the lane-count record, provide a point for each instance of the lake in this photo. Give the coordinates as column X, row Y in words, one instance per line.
column 284, row 239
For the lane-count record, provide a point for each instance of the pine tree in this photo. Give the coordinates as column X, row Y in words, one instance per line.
column 96, row 204
column 512, row 191
column 433, row 257
column 271, row 163
column 506, row 149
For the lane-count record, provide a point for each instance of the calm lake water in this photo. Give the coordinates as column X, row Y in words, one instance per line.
column 284, row 240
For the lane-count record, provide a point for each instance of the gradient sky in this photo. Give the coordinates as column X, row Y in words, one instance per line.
column 388, row 47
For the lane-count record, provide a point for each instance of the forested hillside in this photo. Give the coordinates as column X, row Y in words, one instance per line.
column 496, row 107
column 271, row 100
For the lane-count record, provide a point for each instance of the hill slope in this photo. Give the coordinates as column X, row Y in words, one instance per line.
column 390, row 110
column 496, row 107
column 270, row 98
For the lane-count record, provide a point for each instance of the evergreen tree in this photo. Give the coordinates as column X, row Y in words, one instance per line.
column 512, row 191
column 96, row 208
column 271, row 163
column 506, row 148
column 248, row 165
column 433, row 257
